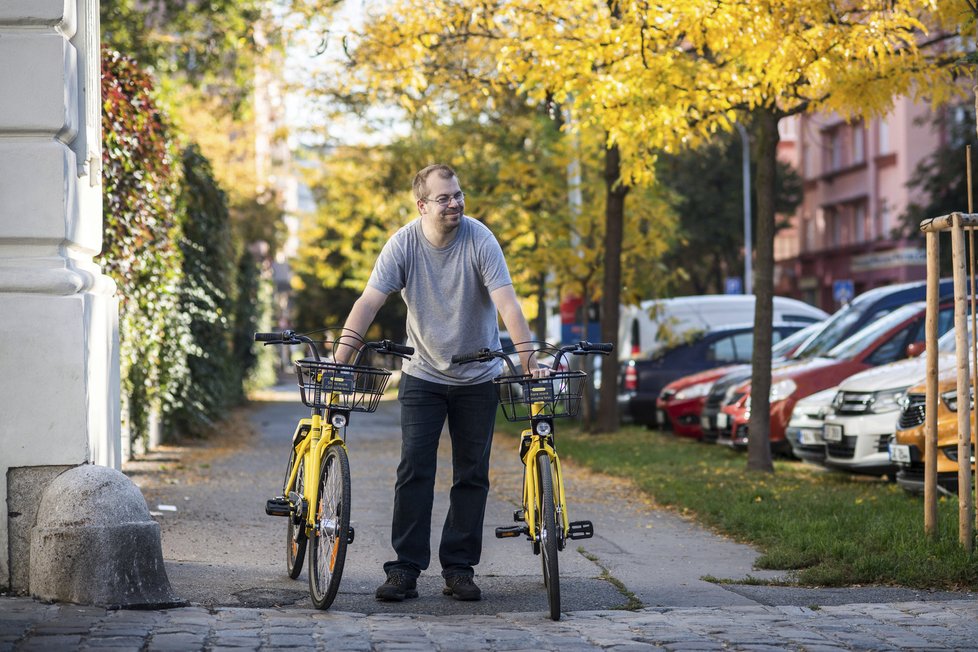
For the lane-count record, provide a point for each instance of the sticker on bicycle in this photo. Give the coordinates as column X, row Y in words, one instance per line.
column 338, row 381
column 539, row 391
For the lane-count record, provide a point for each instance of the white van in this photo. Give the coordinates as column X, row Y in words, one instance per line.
column 658, row 321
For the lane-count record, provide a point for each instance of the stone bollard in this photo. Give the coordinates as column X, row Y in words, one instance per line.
column 95, row 543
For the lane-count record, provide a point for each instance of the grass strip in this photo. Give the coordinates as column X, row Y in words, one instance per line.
column 830, row 528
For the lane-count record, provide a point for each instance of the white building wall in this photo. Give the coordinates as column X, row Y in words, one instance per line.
column 59, row 378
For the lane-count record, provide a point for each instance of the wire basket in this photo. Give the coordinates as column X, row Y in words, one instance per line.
column 554, row 396
column 340, row 386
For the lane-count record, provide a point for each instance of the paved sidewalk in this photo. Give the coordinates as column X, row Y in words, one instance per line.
column 29, row 625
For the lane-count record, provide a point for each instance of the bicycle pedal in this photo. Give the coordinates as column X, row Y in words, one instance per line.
column 519, row 515
column 580, row 530
column 278, row 507
column 510, row 531
column 350, row 536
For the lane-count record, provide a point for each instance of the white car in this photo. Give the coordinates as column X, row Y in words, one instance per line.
column 865, row 410
column 804, row 431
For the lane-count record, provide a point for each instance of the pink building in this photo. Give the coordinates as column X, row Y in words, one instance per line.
column 855, row 189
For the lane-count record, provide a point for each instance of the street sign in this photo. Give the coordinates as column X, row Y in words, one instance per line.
column 734, row 285
column 843, row 290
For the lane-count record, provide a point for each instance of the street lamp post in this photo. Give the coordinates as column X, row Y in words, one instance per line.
column 745, row 139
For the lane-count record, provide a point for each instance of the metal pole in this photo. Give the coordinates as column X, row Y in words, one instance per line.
column 745, row 140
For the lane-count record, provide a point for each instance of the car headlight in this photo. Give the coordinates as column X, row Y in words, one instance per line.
column 782, row 390
column 693, row 391
column 951, row 399
column 888, row 400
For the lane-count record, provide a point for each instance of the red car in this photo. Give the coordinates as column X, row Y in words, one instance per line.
column 680, row 403
column 886, row 340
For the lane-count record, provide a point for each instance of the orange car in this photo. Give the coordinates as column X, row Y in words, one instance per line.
column 907, row 445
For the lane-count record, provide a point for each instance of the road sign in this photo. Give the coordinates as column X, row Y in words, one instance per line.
column 734, row 285
column 843, row 290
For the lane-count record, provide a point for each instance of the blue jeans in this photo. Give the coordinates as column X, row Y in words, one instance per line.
column 471, row 414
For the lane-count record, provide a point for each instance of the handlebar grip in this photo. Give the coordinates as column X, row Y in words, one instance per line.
column 268, row 337
column 400, row 349
column 584, row 347
column 462, row 358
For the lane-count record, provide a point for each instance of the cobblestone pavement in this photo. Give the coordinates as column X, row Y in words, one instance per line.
column 29, row 625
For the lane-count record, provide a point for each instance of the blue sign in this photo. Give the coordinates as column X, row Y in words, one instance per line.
column 575, row 332
column 734, row 285
column 843, row 291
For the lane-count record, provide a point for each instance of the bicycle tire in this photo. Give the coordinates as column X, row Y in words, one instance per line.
column 331, row 534
column 548, row 534
column 295, row 533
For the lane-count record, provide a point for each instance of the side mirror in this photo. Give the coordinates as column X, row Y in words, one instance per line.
column 914, row 349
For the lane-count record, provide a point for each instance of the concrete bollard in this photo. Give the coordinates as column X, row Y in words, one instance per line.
column 95, row 543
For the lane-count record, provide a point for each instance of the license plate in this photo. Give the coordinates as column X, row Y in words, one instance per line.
column 900, row 453
column 723, row 420
column 832, row 432
column 660, row 417
column 806, row 437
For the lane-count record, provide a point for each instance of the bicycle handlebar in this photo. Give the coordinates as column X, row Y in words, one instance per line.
column 582, row 347
column 384, row 347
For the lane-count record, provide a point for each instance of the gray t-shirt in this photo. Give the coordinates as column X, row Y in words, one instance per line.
column 446, row 290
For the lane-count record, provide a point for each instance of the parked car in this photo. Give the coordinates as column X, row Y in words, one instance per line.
column 721, row 392
column 642, row 380
column 863, row 310
column 680, row 404
column 664, row 322
column 907, row 445
column 804, row 431
column 886, row 340
column 865, row 411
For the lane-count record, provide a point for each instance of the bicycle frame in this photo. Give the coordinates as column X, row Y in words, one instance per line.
column 531, row 445
column 309, row 451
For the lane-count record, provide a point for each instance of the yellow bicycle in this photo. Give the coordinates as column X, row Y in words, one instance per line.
column 332, row 391
column 541, row 400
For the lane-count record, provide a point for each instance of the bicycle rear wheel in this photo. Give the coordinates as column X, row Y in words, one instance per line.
column 330, row 537
column 295, row 534
column 548, row 534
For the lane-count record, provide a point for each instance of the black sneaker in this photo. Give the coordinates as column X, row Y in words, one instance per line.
column 397, row 587
column 461, row 587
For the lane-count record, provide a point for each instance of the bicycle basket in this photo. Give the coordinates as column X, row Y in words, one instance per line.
column 340, row 386
column 525, row 397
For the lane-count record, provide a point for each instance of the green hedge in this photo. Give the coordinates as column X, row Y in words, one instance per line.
column 188, row 301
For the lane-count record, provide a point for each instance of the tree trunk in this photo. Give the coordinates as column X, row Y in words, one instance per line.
column 765, row 145
column 541, row 320
column 611, row 288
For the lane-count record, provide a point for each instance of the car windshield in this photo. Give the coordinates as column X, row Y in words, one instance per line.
column 834, row 330
column 946, row 344
column 790, row 343
column 858, row 342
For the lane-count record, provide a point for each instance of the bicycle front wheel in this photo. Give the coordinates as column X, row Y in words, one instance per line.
column 548, row 534
column 295, row 535
column 332, row 531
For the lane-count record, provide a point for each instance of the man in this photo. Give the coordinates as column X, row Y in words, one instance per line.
column 453, row 278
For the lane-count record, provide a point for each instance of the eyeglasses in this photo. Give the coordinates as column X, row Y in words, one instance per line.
column 445, row 200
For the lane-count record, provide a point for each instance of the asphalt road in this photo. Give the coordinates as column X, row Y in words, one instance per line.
column 221, row 550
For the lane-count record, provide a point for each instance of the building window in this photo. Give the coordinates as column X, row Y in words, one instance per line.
column 858, row 143
column 883, row 131
column 860, row 219
column 835, row 150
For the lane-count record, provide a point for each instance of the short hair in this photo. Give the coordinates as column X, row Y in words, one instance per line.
column 421, row 178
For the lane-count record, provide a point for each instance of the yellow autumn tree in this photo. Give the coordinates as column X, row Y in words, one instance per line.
column 666, row 75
